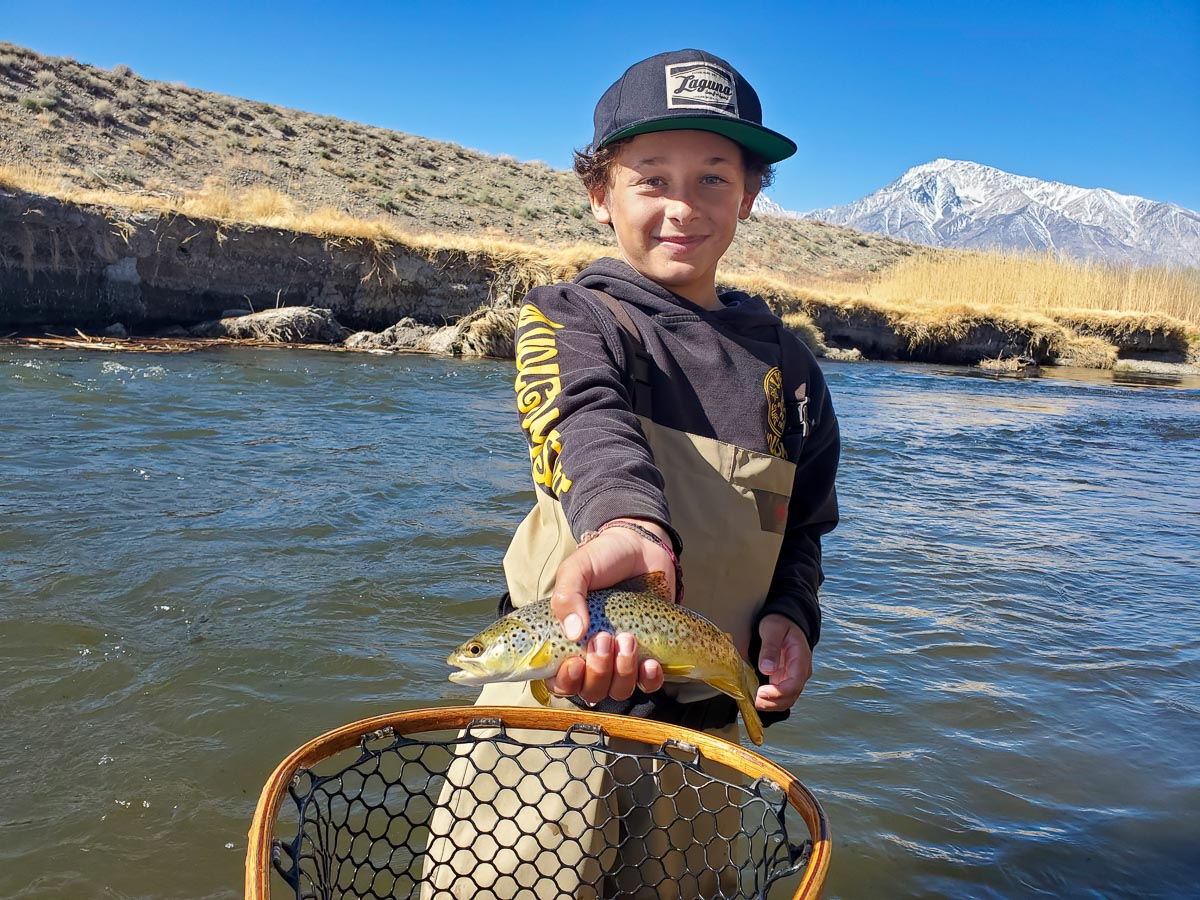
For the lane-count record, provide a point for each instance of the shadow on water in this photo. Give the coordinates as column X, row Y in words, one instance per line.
column 1119, row 376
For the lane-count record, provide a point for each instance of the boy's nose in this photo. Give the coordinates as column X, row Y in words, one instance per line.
column 681, row 207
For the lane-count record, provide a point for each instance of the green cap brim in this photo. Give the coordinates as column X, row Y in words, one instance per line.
column 770, row 145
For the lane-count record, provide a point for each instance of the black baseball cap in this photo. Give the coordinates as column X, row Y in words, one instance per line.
column 687, row 89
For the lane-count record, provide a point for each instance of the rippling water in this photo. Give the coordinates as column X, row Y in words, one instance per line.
column 207, row 559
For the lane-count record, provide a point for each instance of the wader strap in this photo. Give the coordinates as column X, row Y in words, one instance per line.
column 641, row 359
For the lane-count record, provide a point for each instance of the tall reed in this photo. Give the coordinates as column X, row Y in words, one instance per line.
column 1041, row 283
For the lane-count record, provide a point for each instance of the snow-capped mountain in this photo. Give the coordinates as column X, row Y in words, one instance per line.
column 951, row 203
column 768, row 207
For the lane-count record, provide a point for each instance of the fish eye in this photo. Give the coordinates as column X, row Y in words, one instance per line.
column 474, row 648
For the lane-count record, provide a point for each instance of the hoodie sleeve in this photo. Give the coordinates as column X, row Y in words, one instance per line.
column 586, row 447
column 813, row 511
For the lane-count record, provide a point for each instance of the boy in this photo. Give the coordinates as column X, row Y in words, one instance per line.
column 668, row 421
column 678, row 157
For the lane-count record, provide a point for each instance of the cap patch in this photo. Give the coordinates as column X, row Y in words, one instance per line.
column 701, row 85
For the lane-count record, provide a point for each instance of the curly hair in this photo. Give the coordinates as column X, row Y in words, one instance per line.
column 594, row 167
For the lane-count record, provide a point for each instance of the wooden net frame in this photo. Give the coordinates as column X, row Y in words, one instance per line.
column 370, row 828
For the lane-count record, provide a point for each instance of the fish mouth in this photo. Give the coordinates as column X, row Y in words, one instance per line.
column 470, row 673
column 479, row 679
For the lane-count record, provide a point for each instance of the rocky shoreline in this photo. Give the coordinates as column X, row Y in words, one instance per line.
column 68, row 268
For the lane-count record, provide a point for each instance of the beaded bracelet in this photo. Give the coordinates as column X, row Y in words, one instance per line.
column 648, row 535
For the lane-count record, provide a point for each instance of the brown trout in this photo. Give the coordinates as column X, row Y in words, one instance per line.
column 528, row 644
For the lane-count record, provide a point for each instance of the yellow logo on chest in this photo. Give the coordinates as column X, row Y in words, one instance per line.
column 773, row 387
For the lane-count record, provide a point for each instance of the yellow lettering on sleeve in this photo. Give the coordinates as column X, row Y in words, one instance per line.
column 537, row 386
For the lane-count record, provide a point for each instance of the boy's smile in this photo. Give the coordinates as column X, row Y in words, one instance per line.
column 674, row 199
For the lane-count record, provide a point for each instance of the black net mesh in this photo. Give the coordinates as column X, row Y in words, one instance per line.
column 499, row 812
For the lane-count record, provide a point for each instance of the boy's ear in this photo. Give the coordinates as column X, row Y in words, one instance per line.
column 600, row 207
column 748, row 198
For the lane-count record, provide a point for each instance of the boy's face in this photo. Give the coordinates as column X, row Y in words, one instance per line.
column 674, row 199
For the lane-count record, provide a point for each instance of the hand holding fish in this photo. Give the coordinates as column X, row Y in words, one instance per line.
column 529, row 645
column 611, row 557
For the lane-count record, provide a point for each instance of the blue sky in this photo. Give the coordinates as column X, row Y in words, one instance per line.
column 1095, row 94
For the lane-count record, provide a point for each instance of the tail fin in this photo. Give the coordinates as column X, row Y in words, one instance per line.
column 743, row 690
column 754, row 726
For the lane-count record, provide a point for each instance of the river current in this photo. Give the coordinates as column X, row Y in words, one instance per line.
column 207, row 559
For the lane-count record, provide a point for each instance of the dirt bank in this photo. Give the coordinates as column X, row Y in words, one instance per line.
column 66, row 266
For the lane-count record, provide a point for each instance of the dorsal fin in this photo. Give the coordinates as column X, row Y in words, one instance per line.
column 651, row 583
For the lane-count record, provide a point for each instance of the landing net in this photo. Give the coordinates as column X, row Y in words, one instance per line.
column 473, row 802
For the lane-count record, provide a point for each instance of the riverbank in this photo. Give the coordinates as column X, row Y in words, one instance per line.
column 105, row 270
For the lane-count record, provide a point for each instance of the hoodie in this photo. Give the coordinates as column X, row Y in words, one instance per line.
column 708, row 371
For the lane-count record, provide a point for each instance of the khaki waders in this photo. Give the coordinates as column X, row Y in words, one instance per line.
column 729, row 506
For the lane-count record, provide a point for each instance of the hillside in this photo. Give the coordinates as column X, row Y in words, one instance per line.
column 116, row 131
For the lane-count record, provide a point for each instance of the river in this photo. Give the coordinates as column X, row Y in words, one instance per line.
column 207, row 559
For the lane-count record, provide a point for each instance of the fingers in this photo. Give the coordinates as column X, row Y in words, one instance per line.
column 568, row 603
column 771, row 699
column 613, row 556
column 772, row 631
column 651, row 676
column 610, row 666
column 782, row 691
column 786, row 659
column 609, row 669
column 625, row 668
column 568, row 681
column 598, row 672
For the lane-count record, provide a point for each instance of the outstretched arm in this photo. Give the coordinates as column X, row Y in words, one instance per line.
column 588, row 452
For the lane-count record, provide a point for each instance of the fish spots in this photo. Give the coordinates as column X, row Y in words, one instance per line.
column 528, row 643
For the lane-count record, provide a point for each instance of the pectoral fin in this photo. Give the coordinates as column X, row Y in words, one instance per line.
column 680, row 670
column 540, row 692
column 539, row 657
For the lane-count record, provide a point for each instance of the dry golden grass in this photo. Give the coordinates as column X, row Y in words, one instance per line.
column 782, row 295
column 527, row 266
column 1116, row 324
column 920, row 323
column 806, row 330
column 255, row 206
column 25, row 178
column 1035, row 283
column 1088, row 352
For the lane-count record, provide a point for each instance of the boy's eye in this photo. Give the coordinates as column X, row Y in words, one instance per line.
column 654, row 181
column 713, row 179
